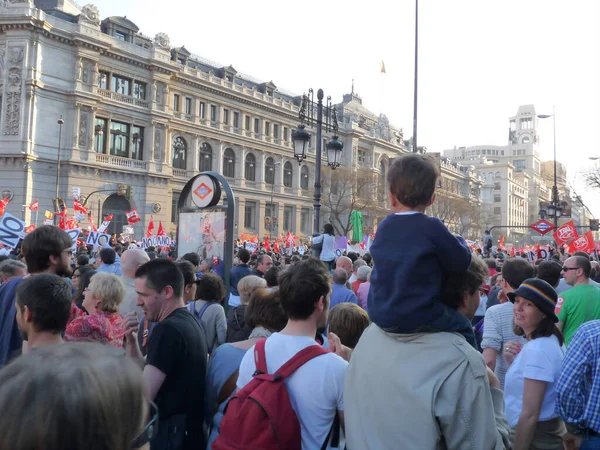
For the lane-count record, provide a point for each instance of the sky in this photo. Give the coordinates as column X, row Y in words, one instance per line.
column 478, row 61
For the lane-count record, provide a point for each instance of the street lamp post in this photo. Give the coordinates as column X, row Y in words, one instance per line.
column 60, row 124
column 554, row 208
column 301, row 138
column 271, row 204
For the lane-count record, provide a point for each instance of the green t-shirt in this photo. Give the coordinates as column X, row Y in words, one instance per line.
column 577, row 306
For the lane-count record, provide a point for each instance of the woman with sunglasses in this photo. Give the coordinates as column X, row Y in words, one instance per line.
column 97, row 401
column 530, row 384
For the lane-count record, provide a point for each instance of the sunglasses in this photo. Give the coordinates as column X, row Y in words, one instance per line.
column 150, row 430
column 566, row 269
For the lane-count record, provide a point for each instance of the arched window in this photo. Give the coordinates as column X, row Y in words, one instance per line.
column 270, row 171
column 304, row 178
column 250, row 167
column 206, row 157
column 229, row 163
column 179, row 152
column 287, row 174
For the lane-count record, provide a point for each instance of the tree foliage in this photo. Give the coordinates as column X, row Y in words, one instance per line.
column 592, row 176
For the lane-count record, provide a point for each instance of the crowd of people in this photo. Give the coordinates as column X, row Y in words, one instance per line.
column 419, row 344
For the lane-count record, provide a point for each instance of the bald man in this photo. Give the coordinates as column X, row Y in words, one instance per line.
column 130, row 261
column 343, row 262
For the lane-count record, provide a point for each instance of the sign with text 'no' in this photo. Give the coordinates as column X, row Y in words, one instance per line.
column 98, row 239
column 11, row 230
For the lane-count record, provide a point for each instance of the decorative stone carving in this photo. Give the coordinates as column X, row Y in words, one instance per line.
column 13, row 91
column 80, row 69
column 383, row 128
column 154, row 92
column 2, row 64
column 83, row 129
column 95, row 74
column 165, row 94
column 157, row 145
column 161, row 40
column 90, row 14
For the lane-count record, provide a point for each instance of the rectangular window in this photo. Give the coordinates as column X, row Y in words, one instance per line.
column 137, row 151
column 103, row 80
column 120, row 84
column 175, row 102
column 276, row 131
column 497, row 211
column 213, row 113
column 202, row 108
column 304, row 221
column 362, row 156
column 236, row 119
column 288, row 213
column 267, row 128
column 256, row 125
column 100, row 135
column 268, row 210
column 119, row 139
column 497, row 198
column 285, row 133
column 174, row 209
column 188, row 106
column 139, row 90
column 120, row 36
column 520, row 165
column 497, row 186
column 250, row 215
column 226, row 116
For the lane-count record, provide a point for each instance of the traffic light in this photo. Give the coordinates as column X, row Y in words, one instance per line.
column 594, row 224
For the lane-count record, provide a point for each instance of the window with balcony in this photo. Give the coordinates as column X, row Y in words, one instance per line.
column 229, row 163
column 139, row 90
column 137, row 139
column 120, row 84
column 202, row 109
column 304, row 178
column 250, row 167
column 236, row 119
column 288, row 214
column 119, row 139
column 188, row 106
column 288, row 173
column 176, row 100
column 179, row 153
column 250, row 215
column 270, row 171
column 174, row 209
column 206, row 157
column 226, row 116
column 103, row 80
column 100, row 135
column 213, row 113
column 305, row 221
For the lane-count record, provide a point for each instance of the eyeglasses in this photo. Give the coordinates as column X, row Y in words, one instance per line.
column 150, row 430
column 566, row 269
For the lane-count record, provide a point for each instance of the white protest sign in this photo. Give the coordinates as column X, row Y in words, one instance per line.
column 11, row 230
column 102, row 228
column 127, row 230
column 79, row 216
column 48, row 222
column 302, row 249
column 251, row 246
column 74, row 233
column 132, row 246
column 338, row 252
column 156, row 241
column 97, row 239
column 76, row 193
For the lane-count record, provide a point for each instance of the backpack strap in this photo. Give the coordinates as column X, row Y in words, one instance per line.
column 204, row 308
column 192, row 307
column 259, row 356
column 299, row 359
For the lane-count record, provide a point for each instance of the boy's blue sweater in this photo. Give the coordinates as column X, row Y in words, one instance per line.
column 413, row 255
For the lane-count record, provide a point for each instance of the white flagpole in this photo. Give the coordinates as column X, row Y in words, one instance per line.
column 36, row 216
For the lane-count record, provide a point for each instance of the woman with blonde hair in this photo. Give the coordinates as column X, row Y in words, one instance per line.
column 237, row 330
column 101, row 301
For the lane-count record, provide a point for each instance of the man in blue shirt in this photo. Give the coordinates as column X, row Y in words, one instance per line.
column 339, row 292
column 236, row 274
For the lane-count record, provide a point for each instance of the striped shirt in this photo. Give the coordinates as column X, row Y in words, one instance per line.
column 578, row 401
column 498, row 330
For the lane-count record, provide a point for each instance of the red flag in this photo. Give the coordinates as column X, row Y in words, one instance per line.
column 3, row 204
column 276, row 247
column 92, row 225
column 110, row 217
column 501, row 243
column 34, row 206
column 267, row 244
column 583, row 243
column 78, row 206
column 538, row 251
column 254, row 239
column 289, row 240
column 565, row 233
column 161, row 230
column 71, row 224
column 132, row 217
column 150, row 231
column 29, row 229
column 513, row 253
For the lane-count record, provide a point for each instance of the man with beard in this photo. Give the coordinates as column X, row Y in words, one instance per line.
column 43, row 309
column 175, row 366
column 46, row 250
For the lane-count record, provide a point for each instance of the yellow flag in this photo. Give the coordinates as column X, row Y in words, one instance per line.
column 48, row 215
column 382, row 67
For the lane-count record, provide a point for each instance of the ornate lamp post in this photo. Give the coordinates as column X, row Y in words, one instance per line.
column 554, row 207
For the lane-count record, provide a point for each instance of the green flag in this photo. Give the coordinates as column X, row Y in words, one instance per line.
column 356, row 219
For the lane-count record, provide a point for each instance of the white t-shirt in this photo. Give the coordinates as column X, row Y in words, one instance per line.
column 316, row 389
column 540, row 359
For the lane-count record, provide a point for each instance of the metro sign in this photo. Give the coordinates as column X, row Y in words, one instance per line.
column 203, row 191
column 542, row 226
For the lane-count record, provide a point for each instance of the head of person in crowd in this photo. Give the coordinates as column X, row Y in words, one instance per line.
column 210, row 288
column 496, row 281
column 367, row 258
column 247, row 285
column 43, row 305
column 271, row 276
column 131, row 260
column 328, row 229
column 189, row 280
column 412, row 180
column 595, row 269
column 151, row 254
column 159, row 284
column 118, row 250
column 10, row 269
column 514, row 272
column 462, row 290
column 353, row 256
column 48, row 249
column 339, row 276
column 83, row 260
column 492, row 266
column 264, row 263
column 555, row 257
column 106, row 257
column 85, row 277
column 77, row 373
column 83, row 250
column 549, row 271
column 304, row 290
column 343, row 262
column 193, row 258
column 363, row 273
column 205, row 266
column 534, row 304
column 295, row 259
column 348, row 321
column 264, row 310
column 577, row 270
column 244, row 256
column 104, row 294
column 77, row 275
column 358, row 264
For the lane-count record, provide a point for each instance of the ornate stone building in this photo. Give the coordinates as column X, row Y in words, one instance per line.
column 141, row 117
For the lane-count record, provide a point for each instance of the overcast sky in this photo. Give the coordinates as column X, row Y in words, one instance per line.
column 478, row 60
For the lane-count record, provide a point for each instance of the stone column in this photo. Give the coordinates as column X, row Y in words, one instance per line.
column 218, row 157
column 194, row 161
column 260, row 224
column 297, row 216
column 240, row 208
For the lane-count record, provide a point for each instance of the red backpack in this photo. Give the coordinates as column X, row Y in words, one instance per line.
column 260, row 416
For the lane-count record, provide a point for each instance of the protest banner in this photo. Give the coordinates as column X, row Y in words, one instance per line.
column 11, row 230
